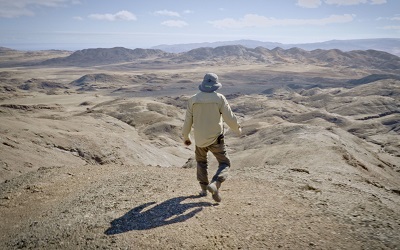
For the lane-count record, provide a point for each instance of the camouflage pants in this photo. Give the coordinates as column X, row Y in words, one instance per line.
column 218, row 150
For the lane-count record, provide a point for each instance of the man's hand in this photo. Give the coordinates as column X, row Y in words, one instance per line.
column 188, row 142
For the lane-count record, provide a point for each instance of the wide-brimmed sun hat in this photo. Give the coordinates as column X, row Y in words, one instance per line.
column 210, row 83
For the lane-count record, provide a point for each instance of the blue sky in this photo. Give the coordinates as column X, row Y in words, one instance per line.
column 80, row 24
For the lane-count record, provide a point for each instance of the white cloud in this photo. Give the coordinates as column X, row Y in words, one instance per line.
column 167, row 13
column 395, row 18
column 188, row 11
column 354, row 2
column 317, row 3
column 391, row 28
column 309, row 3
column 121, row 15
column 253, row 20
column 18, row 8
column 77, row 18
column 12, row 13
column 345, row 2
column 175, row 23
column 378, row 1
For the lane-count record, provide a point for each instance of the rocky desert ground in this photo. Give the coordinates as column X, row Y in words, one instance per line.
column 91, row 154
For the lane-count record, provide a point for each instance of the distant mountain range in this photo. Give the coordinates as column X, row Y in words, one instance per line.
column 236, row 54
column 100, row 56
column 390, row 45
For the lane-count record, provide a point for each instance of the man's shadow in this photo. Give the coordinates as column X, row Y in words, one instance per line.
column 168, row 212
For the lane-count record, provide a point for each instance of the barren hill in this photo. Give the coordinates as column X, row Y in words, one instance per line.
column 373, row 78
column 108, row 175
column 390, row 45
column 101, row 56
column 333, row 57
column 92, row 157
column 4, row 50
column 234, row 54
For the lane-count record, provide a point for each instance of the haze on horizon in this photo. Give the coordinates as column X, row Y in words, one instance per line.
column 80, row 24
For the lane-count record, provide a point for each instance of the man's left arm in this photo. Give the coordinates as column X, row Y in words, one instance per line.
column 229, row 117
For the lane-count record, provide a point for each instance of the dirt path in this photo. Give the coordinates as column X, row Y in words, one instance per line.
column 145, row 207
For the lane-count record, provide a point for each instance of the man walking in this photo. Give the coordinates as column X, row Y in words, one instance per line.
column 206, row 112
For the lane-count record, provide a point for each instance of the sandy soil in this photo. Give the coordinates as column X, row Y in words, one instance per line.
column 106, row 169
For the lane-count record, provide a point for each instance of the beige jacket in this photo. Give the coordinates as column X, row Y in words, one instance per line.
column 204, row 113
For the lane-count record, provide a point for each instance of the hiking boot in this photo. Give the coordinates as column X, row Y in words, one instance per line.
column 203, row 191
column 213, row 189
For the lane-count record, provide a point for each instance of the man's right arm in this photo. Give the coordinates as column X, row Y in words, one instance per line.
column 187, row 125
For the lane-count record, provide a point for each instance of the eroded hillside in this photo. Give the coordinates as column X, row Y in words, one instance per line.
column 93, row 158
